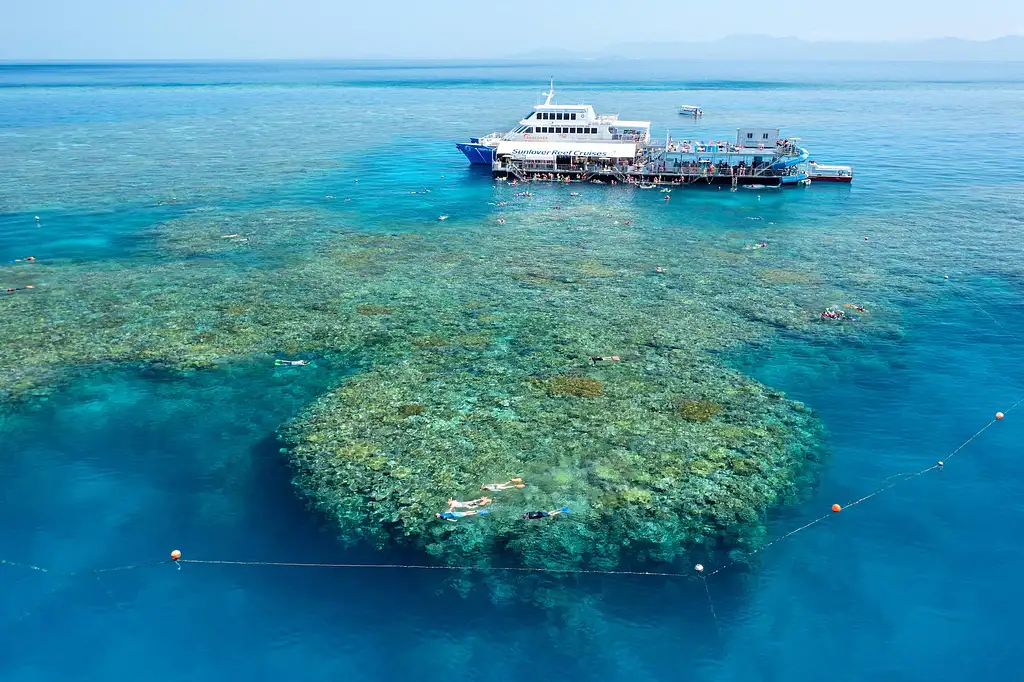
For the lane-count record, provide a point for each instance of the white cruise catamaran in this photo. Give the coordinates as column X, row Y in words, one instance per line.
column 553, row 131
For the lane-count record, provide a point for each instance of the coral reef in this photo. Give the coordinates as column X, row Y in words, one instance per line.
column 476, row 369
column 578, row 387
column 698, row 410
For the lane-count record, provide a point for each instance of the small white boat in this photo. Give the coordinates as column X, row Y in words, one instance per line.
column 823, row 173
column 690, row 110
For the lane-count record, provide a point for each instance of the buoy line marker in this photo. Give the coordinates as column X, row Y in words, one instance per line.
column 177, row 558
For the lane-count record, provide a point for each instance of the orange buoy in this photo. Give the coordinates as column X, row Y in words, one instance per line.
column 176, row 554
column 836, row 508
column 999, row 415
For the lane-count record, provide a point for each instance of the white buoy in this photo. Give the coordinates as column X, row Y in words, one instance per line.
column 37, row 219
column 699, row 568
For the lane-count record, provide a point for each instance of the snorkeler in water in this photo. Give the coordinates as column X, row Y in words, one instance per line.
column 598, row 358
column 545, row 514
column 290, row 363
column 454, row 504
column 831, row 313
column 456, row 515
column 511, row 483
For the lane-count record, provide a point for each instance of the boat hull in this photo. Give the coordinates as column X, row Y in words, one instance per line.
column 826, row 178
column 478, row 154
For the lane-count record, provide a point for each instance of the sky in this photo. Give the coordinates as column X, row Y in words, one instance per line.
column 324, row 29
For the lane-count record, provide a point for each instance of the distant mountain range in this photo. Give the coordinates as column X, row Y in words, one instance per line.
column 753, row 47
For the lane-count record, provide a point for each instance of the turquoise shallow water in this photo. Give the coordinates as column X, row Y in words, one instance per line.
column 125, row 462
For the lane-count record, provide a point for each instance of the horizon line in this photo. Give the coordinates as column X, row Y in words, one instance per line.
column 538, row 54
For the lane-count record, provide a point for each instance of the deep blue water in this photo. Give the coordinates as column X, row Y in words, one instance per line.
column 122, row 465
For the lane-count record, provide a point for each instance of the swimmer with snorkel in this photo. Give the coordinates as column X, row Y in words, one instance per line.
column 456, row 515
column 454, row 504
column 545, row 514
column 496, row 487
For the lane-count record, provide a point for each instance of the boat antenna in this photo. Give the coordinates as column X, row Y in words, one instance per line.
column 550, row 93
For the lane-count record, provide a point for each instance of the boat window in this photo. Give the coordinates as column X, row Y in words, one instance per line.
column 559, row 115
column 573, row 116
column 764, row 136
column 529, row 130
column 750, row 136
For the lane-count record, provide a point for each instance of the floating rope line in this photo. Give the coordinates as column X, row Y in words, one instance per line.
column 438, row 567
column 900, row 478
column 29, row 566
column 888, row 483
column 711, row 602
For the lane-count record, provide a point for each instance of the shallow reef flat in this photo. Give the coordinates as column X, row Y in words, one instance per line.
column 476, row 344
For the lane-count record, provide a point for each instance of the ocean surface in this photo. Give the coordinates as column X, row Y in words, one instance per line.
column 120, row 463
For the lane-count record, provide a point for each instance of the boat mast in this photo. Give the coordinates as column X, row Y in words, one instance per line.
column 550, row 93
